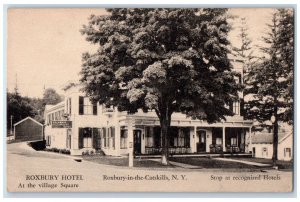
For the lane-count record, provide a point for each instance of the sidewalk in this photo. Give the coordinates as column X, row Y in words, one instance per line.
column 182, row 165
column 245, row 162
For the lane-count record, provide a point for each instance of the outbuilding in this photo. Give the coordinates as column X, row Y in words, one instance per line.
column 28, row 129
column 262, row 145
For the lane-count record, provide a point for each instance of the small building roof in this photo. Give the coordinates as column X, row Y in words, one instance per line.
column 27, row 119
column 267, row 138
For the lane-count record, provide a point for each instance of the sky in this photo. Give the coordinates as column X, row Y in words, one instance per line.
column 44, row 46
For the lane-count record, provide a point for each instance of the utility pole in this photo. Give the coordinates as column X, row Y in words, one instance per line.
column 11, row 122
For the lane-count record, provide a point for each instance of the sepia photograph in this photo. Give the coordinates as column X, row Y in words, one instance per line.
column 196, row 99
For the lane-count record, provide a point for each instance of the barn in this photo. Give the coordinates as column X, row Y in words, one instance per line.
column 28, row 129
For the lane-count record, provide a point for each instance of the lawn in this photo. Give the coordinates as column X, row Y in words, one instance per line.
column 211, row 163
column 203, row 162
column 123, row 161
column 286, row 165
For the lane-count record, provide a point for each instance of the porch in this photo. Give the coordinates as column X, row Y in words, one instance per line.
column 191, row 140
column 226, row 140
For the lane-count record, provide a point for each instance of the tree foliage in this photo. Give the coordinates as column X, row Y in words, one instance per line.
column 18, row 108
column 244, row 52
column 51, row 97
column 271, row 78
column 167, row 60
column 244, row 49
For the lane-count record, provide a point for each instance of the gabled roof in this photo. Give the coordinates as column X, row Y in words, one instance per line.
column 27, row 119
column 282, row 139
column 267, row 138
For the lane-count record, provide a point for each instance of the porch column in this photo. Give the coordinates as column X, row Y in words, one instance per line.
column 130, row 143
column 143, row 141
column 194, row 144
column 223, row 139
column 117, row 139
column 102, row 137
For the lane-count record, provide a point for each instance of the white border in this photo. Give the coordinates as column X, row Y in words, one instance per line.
column 139, row 3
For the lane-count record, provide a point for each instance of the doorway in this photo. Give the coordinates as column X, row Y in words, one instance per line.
column 137, row 141
column 201, row 145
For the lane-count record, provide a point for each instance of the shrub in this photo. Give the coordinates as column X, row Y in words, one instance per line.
column 61, row 151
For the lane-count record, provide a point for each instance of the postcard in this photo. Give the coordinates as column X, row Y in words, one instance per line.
column 150, row 99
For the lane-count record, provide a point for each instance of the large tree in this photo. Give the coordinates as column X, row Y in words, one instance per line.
column 166, row 60
column 271, row 78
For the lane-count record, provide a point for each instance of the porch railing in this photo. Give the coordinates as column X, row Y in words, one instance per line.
column 172, row 150
column 217, row 148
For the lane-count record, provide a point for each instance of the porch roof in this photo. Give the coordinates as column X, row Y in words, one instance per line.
column 183, row 122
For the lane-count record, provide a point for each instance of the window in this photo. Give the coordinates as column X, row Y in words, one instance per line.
column 235, row 107
column 48, row 140
column 149, row 137
column 104, row 137
column 173, row 136
column 123, row 141
column 202, row 136
column 95, row 109
column 85, row 106
column 62, row 114
column 85, row 138
column 238, row 79
column 69, row 106
column 233, row 141
column 183, row 139
column 264, row 152
column 96, row 138
column 80, row 105
column 69, row 134
column 218, row 141
column 48, row 119
column 108, row 137
column 186, row 137
column 112, row 137
column 242, row 105
column 287, row 152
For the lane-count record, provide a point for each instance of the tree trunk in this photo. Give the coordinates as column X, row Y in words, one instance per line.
column 165, row 122
column 275, row 135
column 275, row 142
column 165, row 142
